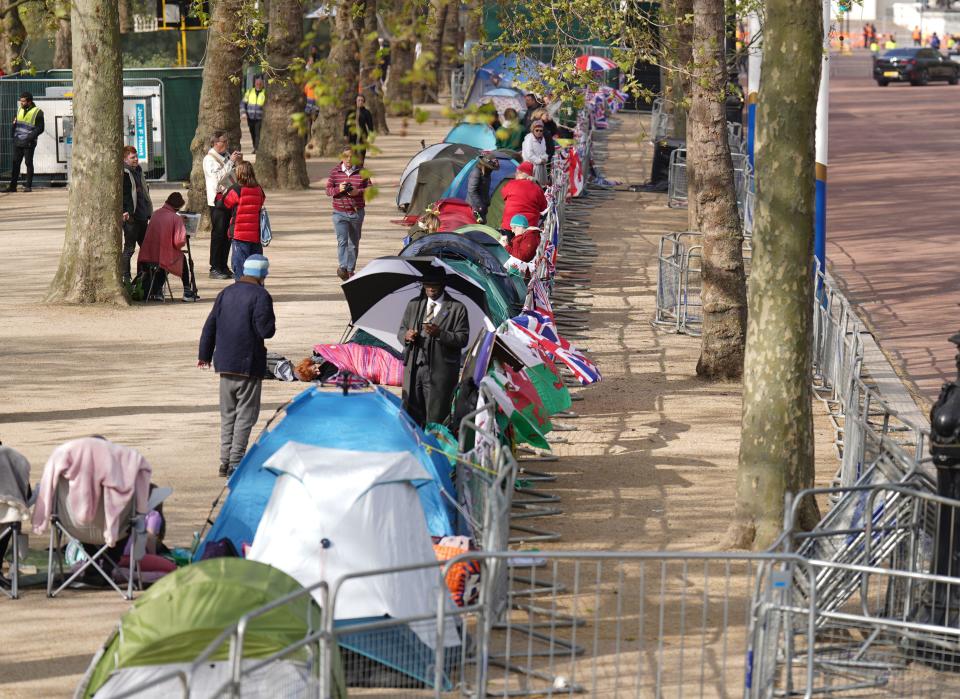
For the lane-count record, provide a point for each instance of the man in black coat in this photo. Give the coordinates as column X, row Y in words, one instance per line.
column 358, row 125
column 478, row 184
column 434, row 330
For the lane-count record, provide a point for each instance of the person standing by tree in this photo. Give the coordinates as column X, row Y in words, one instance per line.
column 27, row 127
column 358, row 125
column 245, row 199
column 137, row 207
column 434, row 330
column 253, row 101
column 218, row 174
column 346, row 185
column 232, row 338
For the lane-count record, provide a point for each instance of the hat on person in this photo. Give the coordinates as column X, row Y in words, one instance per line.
column 434, row 275
column 175, row 200
column 519, row 220
column 526, row 168
column 256, row 266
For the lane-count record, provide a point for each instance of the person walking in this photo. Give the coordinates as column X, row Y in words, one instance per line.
column 164, row 241
column 253, row 101
column 917, row 37
column 535, row 152
column 245, row 200
column 522, row 196
column 478, row 184
column 26, row 129
column 935, row 42
column 137, row 207
column 358, row 124
column 232, row 339
column 434, row 330
column 346, row 186
column 218, row 169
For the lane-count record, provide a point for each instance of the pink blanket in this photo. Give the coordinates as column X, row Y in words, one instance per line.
column 93, row 466
column 374, row 364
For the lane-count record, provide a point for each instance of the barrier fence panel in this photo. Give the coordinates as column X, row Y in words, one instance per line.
column 677, row 179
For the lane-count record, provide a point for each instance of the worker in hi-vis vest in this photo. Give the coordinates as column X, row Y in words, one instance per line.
column 253, row 101
column 27, row 127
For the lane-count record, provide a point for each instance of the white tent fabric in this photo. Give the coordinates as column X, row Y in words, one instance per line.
column 364, row 505
column 285, row 678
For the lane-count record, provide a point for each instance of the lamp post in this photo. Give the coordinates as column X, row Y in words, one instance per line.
column 941, row 606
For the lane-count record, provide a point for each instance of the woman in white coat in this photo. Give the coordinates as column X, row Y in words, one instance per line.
column 218, row 169
column 535, row 151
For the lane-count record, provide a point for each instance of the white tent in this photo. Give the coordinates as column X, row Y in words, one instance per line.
column 335, row 512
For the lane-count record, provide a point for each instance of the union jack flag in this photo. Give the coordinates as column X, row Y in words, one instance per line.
column 539, row 332
column 541, row 299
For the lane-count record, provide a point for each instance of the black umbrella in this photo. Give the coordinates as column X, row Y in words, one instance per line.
column 378, row 294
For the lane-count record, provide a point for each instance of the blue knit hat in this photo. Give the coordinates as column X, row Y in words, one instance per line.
column 519, row 220
column 256, row 266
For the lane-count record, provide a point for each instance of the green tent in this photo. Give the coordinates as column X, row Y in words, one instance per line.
column 180, row 615
column 498, row 251
column 498, row 307
column 433, row 178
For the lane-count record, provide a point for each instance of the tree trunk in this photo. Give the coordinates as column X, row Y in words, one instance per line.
column 438, row 25
column 710, row 171
column 399, row 92
column 776, row 444
column 219, row 94
column 369, row 69
column 448, row 59
column 126, row 16
column 473, row 27
column 63, row 46
column 89, row 270
column 340, row 76
column 280, row 158
column 14, row 34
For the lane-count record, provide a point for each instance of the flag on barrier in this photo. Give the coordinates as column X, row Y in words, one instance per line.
column 539, row 331
column 519, row 402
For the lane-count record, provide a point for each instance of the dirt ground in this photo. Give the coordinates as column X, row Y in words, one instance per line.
column 651, row 464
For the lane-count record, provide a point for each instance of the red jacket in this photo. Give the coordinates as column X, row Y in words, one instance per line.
column 246, row 219
column 522, row 197
column 524, row 246
column 162, row 242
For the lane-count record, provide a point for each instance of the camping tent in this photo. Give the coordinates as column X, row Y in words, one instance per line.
column 499, row 302
column 479, row 248
column 408, row 180
column 361, row 420
column 174, row 621
column 495, row 212
column 503, row 70
column 477, row 135
column 432, row 179
column 458, row 188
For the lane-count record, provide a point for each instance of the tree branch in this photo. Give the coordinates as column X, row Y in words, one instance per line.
column 4, row 11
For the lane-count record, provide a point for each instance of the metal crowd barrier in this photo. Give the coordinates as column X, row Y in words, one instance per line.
column 677, row 179
column 679, row 306
column 661, row 121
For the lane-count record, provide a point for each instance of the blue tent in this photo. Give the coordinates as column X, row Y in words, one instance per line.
column 503, row 70
column 477, row 135
column 458, row 188
column 361, row 421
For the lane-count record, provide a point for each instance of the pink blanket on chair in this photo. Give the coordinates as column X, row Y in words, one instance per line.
column 92, row 466
column 374, row 364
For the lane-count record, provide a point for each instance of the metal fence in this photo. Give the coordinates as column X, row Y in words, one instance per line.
column 679, row 306
column 677, row 179
column 661, row 120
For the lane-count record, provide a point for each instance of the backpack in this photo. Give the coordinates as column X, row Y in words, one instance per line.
column 266, row 234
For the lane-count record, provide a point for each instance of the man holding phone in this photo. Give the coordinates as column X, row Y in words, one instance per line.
column 434, row 330
column 346, row 185
column 218, row 167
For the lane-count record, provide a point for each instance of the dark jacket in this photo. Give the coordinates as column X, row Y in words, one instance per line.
column 443, row 351
column 136, row 199
column 30, row 140
column 240, row 320
column 365, row 120
column 246, row 203
column 478, row 190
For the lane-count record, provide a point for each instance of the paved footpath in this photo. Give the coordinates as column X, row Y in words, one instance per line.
column 891, row 216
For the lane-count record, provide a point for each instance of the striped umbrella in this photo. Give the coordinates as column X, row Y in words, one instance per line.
column 587, row 62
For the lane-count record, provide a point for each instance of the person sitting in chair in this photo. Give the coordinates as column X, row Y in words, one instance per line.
column 163, row 245
column 434, row 330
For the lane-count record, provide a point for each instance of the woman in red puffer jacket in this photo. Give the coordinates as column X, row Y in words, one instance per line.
column 245, row 199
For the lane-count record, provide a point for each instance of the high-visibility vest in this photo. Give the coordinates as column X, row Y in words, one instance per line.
column 254, row 101
column 891, row 44
column 23, row 127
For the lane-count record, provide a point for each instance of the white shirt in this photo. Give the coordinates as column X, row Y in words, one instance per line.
column 217, row 173
column 534, row 149
column 433, row 308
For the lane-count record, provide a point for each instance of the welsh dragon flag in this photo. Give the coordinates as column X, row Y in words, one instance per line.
column 538, row 368
column 520, row 403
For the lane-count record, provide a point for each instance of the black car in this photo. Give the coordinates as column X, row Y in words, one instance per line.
column 914, row 65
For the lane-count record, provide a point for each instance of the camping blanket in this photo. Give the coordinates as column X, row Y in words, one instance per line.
column 374, row 364
column 14, row 486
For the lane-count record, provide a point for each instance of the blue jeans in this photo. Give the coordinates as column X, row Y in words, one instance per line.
column 347, row 227
column 241, row 251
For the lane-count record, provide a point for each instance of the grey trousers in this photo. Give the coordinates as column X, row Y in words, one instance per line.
column 239, row 410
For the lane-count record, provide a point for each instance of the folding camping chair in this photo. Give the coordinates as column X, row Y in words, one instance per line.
column 15, row 503
column 63, row 522
column 157, row 283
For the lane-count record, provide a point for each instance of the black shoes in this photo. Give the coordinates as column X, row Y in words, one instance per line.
column 217, row 274
column 189, row 295
column 226, row 471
